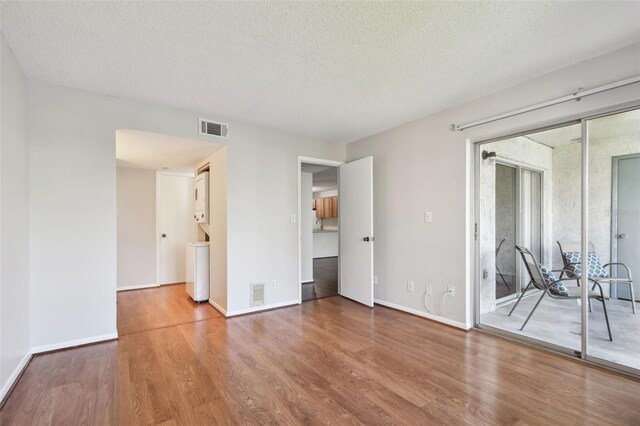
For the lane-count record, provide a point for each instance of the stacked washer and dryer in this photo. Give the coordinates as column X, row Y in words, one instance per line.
column 198, row 251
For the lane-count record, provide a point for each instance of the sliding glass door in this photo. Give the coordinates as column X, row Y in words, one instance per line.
column 550, row 205
column 517, row 183
column 614, row 238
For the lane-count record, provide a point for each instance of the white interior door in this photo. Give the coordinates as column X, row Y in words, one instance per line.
column 175, row 225
column 356, row 230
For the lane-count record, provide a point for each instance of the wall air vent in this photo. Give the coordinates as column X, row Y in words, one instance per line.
column 212, row 128
column 257, row 294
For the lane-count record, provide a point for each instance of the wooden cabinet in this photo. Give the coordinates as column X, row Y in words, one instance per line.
column 319, row 208
column 326, row 207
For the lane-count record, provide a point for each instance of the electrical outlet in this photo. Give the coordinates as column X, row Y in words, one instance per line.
column 375, row 279
column 293, row 218
column 273, row 283
column 410, row 286
column 451, row 290
column 427, row 288
column 428, row 217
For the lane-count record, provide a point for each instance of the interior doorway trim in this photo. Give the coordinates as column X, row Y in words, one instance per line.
column 319, row 162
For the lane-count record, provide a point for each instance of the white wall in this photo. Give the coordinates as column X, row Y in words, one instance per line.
column 218, row 225
column 73, row 205
column 424, row 166
column 325, row 194
column 263, row 194
column 73, row 198
column 15, row 288
column 136, row 222
column 307, row 221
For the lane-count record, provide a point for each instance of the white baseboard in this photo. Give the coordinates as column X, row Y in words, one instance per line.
column 218, row 307
column 261, row 308
column 72, row 343
column 443, row 320
column 136, row 287
column 8, row 385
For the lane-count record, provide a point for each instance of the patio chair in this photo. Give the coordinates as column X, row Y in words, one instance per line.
column 572, row 260
column 498, row 269
column 546, row 281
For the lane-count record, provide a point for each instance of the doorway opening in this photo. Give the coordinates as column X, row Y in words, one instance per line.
column 353, row 225
column 320, row 231
column 162, row 187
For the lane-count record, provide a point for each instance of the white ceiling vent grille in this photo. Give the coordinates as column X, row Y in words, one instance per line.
column 257, row 294
column 212, row 128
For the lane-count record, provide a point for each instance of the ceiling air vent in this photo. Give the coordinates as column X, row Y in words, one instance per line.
column 211, row 128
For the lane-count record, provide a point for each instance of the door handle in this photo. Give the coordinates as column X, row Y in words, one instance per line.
column 164, row 235
column 367, row 239
column 623, row 236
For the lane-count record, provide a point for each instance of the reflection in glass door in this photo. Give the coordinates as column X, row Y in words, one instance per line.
column 518, row 221
column 531, row 208
column 505, row 229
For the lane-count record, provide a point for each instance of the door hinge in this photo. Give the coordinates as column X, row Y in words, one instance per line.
column 475, row 232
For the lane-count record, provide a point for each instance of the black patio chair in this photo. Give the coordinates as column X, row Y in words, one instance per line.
column 545, row 280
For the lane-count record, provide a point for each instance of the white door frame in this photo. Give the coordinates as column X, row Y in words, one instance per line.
column 319, row 162
column 158, row 221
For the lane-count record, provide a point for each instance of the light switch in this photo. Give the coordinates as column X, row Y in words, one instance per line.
column 428, row 218
column 293, row 218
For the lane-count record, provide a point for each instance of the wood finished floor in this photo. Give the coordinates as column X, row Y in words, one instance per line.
column 165, row 306
column 325, row 279
column 324, row 361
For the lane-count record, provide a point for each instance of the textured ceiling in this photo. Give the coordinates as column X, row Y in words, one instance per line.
column 333, row 70
column 143, row 150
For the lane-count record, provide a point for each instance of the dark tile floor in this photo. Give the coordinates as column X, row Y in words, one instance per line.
column 325, row 276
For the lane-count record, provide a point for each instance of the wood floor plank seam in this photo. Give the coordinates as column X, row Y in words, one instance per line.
column 164, row 326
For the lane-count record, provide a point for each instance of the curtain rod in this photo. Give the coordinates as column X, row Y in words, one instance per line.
column 581, row 93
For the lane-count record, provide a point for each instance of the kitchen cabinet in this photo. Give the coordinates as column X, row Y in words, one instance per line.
column 319, row 208
column 325, row 244
column 326, row 207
